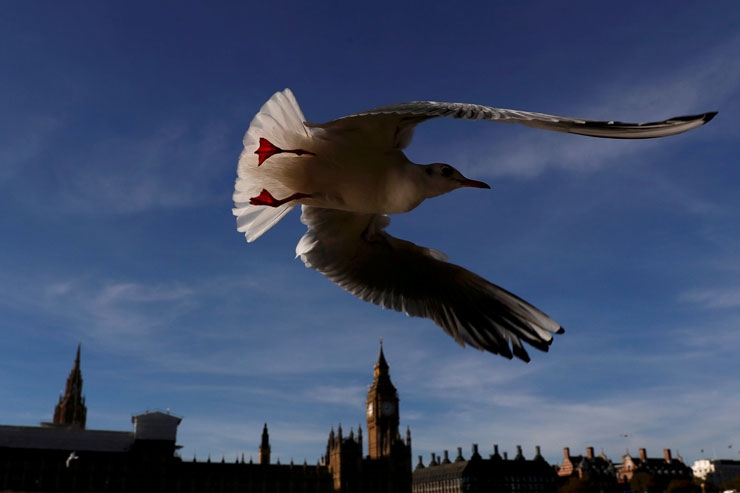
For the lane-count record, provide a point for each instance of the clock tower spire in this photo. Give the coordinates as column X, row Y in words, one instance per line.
column 382, row 411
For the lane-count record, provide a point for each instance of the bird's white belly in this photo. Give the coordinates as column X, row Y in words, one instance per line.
column 370, row 183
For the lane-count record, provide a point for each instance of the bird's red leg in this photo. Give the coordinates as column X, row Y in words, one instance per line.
column 267, row 149
column 266, row 198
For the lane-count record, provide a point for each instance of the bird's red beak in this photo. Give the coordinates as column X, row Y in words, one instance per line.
column 474, row 184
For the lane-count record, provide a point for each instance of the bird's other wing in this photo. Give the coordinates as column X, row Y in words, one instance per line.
column 391, row 130
column 354, row 251
column 395, row 123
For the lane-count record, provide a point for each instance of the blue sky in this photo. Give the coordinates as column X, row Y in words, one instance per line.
column 120, row 130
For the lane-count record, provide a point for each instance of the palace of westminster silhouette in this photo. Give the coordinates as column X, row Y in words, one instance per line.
column 65, row 456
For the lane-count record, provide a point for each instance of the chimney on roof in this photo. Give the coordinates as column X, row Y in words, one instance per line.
column 566, row 453
column 519, row 455
column 643, row 454
column 589, row 452
column 459, row 457
column 667, row 454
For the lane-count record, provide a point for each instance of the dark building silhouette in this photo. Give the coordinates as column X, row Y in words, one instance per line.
column 71, row 410
column 662, row 470
column 387, row 467
column 476, row 474
column 65, row 456
column 598, row 471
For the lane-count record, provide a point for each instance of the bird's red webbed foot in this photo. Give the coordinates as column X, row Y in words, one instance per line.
column 268, row 149
column 266, row 198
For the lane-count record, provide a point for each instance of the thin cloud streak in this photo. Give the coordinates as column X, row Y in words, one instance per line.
column 129, row 174
column 714, row 298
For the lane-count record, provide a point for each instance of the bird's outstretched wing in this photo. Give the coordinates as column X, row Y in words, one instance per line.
column 354, row 251
column 393, row 124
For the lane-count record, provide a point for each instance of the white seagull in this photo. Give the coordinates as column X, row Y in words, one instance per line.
column 72, row 456
column 350, row 173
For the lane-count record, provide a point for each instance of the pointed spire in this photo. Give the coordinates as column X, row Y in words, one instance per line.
column 265, row 437
column 71, row 410
column 381, row 367
column 264, row 450
column 382, row 385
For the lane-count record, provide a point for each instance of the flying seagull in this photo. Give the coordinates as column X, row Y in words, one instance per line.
column 349, row 174
column 72, row 456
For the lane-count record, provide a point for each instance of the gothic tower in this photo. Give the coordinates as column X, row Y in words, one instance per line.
column 344, row 458
column 387, row 467
column 71, row 410
column 264, row 454
column 382, row 411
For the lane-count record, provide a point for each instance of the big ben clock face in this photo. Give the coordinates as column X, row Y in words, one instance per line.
column 370, row 409
column 388, row 408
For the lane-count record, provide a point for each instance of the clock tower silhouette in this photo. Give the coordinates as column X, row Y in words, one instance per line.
column 387, row 467
column 382, row 411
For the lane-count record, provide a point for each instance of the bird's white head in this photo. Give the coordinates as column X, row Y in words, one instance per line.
column 442, row 178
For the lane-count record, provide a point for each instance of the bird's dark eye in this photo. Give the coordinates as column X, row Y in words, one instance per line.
column 446, row 171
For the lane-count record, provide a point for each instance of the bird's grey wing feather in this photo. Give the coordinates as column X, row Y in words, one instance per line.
column 393, row 124
column 354, row 251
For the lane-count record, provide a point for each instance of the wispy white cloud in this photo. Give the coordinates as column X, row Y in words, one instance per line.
column 353, row 395
column 115, row 312
column 714, row 297
column 175, row 166
column 650, row 417
column 24, row 141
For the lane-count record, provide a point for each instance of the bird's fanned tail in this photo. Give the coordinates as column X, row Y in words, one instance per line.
column 276, row 134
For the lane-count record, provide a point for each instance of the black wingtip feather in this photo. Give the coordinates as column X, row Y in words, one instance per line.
column 704, row 117
column 521, row 353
